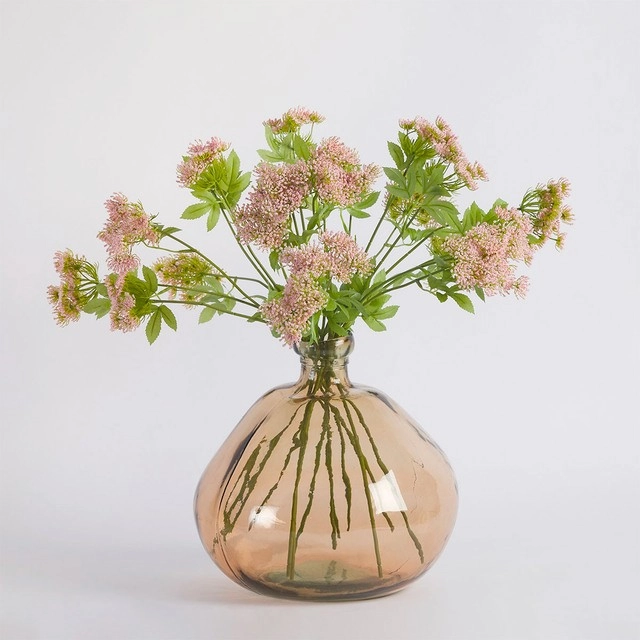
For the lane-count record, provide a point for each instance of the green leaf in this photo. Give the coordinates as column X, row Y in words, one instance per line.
column 387, row 312
column 197, row 210
column 99, row 306
column 101, row 290
column 301, row 148
column 380, row 277
column 151, row 278
column 213, row 217
column 441, row 296
column 397, row 191
column 356, row 213
column 269, row 156
column 205, row 195
column 153, row 326
column 167, row 230
column 241, row 183
column 369, row 201
column 274, row 260
column 168, row 317
column 396, row 154
column 463, row 301
column 480, row 293
column 374, row 324
column 206, row 314
column 395, row 175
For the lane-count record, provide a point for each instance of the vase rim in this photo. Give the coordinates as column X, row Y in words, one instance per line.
column 334, row 349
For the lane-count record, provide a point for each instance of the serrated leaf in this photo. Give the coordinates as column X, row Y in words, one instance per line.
column 395, row 175
column 374, row 324
column 397, row 191
column 301, row 148
column 153, row 327
column 150, row 278
column 205, row 195
column 380, row 277
column 463, row 301
column 168, row 317
column 269, row 156
column 206, row 314
column 194, row 211
column 98, row 306
column 387, row 312
column 396, row 154
column 369, row 201
column 213, row 217
column 241, row 183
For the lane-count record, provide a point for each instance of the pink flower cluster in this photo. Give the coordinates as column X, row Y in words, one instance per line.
column 121, row 315
column 126, row 225
column 186, row 272
column 65, row 298
column 199, row 157
column 446, row 145
column 485, row 255
column 289, row 314
column 335, row 255
column 339, row 177
column 293, row 119
column 278, row 192
column 552, row 211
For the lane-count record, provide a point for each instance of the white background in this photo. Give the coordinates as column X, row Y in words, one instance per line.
column 535, row 402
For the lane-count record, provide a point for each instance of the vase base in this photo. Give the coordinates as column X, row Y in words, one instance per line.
column 323, row 581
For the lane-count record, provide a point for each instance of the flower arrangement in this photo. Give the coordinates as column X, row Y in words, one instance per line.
column 325, row 489
column 312, row 276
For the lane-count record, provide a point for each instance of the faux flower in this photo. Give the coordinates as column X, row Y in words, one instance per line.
column 293, row 119
column 200, row 157
column 127, row 224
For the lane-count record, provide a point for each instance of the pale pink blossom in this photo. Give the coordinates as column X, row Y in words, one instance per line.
column 336, row 255
column 279, row 191
column 289, row 314
column 340, row 179
column 446, row 145
column 127, row 224
column 486, row 255
column 293, row 119
column 346, row 257
column 200, row 156
column 121, row 315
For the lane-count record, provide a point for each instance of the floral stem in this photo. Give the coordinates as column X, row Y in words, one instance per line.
column 304, row 439
column 204, row 304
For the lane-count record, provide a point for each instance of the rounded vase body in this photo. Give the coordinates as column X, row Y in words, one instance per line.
column 326, row 490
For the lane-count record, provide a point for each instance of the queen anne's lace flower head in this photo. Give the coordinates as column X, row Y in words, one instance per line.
column 447, row 146
column 127, row 224
column 339, row 177
column 279, row 191
column 487, row 254
column 293, row 119
column 200, row 156
column 121, row 315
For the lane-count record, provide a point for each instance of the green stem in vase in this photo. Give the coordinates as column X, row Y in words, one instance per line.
column 304, row 438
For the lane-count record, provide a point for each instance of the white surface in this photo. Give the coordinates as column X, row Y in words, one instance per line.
column 535, row 402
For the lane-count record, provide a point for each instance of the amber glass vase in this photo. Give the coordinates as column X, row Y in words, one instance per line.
column 326, row 490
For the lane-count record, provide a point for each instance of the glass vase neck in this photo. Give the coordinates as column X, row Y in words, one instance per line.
column 324, row 366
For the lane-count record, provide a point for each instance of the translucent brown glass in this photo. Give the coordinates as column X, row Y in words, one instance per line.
column 326, row 490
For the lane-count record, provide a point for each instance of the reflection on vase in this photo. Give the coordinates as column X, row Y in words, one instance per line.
column 326, row 490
